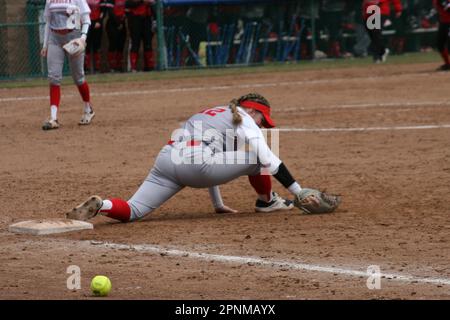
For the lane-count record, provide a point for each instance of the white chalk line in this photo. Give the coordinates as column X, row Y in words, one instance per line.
column 427, row 127
column 269, row 263
column 206, row 88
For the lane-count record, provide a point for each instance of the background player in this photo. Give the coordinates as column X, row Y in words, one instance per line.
column 140, row 28
column 117, row 33
column 379, row 50
column 443, row 8
column 94, row 39
column 205, row 153
column 65, row 21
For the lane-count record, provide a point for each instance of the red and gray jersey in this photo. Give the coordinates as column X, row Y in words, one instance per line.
column 116, row 8
column 97, row 7
column 65, row 14
column 215, row 128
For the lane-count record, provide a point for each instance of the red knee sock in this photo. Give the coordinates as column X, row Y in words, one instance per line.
column 120, row 210
column 444, row 54
column 84, row 92
column 55, row 95
column 262, row 185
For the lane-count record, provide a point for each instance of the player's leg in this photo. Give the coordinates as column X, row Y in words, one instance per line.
column 55, row 63
column 224, row 167
column 135, row 37
column 97, row 42
column 89, row 49
column 159, row 186
column 149, row 60
column 121, row 39
column 442, row 45
column 246, row 164
column 379, row 50
column 78, row 76
column 112, row 33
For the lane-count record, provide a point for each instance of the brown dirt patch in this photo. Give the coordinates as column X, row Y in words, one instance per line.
column 394, row 184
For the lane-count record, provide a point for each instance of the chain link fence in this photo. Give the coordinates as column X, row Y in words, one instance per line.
column 218, row 33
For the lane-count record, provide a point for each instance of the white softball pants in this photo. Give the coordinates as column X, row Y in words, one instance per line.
column 55, row 58
column 167, row 177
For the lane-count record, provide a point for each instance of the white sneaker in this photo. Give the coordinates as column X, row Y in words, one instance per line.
column 86, row 118
column 277, row 203
column 87, row 210
column 50, row 124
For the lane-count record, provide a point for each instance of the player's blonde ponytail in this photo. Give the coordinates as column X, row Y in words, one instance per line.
column 237, row 118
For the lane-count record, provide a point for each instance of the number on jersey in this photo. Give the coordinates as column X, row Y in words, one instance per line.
column 73, row 20
column 214, row 111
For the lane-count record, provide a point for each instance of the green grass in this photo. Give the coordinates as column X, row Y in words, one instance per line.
column 409, row 58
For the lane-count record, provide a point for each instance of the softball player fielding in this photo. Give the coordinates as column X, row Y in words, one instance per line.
column 199, row 157
column 66, row 20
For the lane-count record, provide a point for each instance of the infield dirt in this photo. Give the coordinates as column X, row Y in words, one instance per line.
column 394, row 183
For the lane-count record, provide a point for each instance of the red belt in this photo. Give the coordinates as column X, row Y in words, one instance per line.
column 189, row 143
column 62, row 31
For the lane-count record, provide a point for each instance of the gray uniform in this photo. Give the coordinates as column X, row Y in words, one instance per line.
column 206, row 152
column 63, row 19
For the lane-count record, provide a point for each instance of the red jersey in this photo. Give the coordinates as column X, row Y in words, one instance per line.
column 117, row 8
column 139, row 8
column 443, row 8
column 385, row 6
column 96, row 7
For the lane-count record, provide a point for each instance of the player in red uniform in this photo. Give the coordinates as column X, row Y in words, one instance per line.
column 443, row 8
column 117, row 33
column 140, row 26
column 94, row 39
column 380, row 52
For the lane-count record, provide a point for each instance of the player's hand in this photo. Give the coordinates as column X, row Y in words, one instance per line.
column 398, row 14
column 98, row 25
column 226, row 209
column 82, row 41
column 44, row 52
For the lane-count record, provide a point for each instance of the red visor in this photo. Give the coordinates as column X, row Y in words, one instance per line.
column 265, row 110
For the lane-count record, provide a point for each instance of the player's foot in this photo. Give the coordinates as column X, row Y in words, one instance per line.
column 277, row 203
column 86, row 118
column 87, row 210
column 50, row 124
column 444, row 67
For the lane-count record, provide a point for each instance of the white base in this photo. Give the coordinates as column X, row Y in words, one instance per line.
column 49, row 226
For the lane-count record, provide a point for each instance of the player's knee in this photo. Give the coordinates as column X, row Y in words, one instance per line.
column 79, row 80
column 54, row 80
column 138, row 211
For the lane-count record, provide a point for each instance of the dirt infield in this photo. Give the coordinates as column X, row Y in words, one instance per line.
column 378, row 135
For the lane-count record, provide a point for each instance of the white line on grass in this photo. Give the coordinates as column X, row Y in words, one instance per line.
column 269, row 263
column 441, row 126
